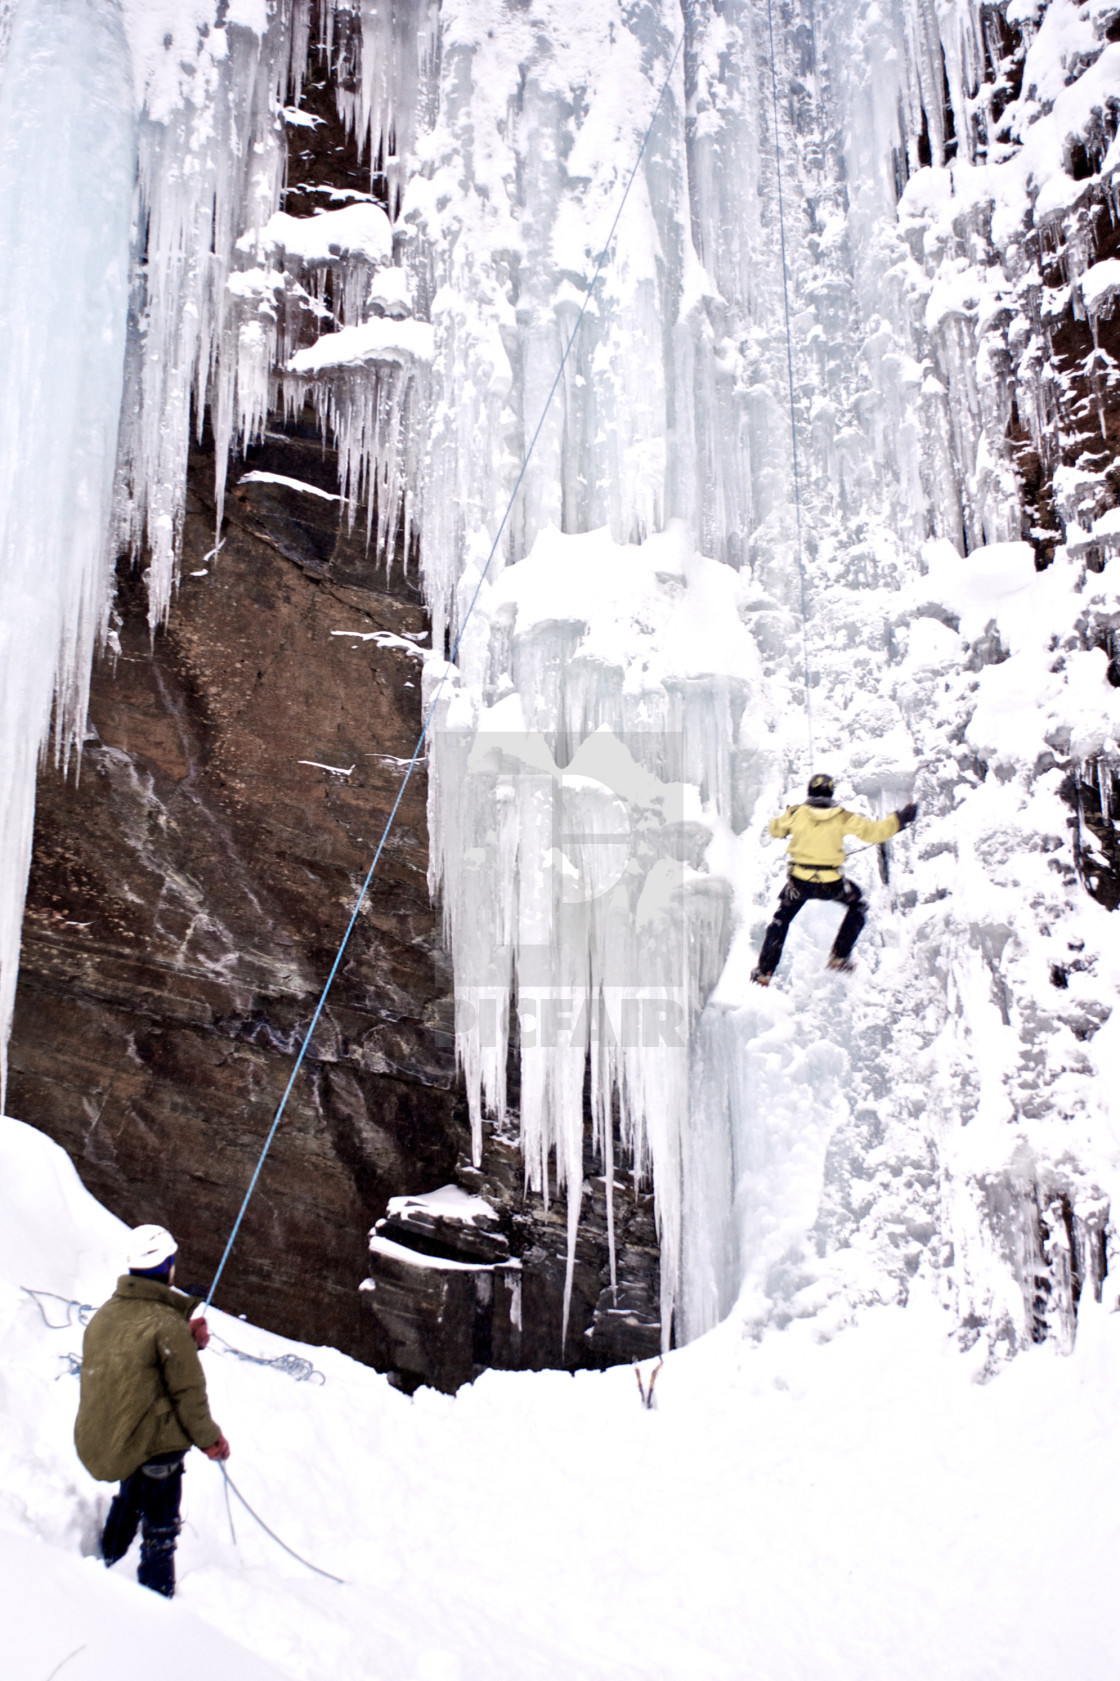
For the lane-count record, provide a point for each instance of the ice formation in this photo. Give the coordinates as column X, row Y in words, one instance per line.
column 67, row 166
column 767, row 1138
column 626, row 701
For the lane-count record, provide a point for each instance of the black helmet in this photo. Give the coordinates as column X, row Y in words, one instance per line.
column 821, row 787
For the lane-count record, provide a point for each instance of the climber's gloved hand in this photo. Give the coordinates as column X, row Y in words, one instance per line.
column 200, row 1331
column 220, row 1449
column 906, row 815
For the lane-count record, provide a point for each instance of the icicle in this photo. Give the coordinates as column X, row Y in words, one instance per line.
column 384, row 59
column 211, row 163
column 67, row 167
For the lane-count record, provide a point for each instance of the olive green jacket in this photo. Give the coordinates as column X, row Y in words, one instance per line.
column 143, row 1387
column 816, row 837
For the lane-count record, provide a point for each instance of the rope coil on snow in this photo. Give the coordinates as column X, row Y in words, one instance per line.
column 80, row 1313
column 77, row 1312
column 292, row 1365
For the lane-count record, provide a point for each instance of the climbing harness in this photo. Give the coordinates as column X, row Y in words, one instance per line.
column 789, row 369
column 600, row 265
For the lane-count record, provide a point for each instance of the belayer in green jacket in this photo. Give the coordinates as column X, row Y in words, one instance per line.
column 143, row 1405
column 816, row 833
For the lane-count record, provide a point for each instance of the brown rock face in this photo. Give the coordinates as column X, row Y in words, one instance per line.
column 186, row 901
column 189, row 892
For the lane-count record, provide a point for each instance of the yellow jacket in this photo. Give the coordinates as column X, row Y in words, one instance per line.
column 816, row 837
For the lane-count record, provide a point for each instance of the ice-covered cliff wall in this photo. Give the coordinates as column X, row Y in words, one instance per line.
column 944, row 1111
column 959, row 1095
column 626, row 702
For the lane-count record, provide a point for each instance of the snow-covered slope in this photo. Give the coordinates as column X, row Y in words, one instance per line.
column 853, row 1511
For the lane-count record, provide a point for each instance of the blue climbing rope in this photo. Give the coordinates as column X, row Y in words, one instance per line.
column 789, row 369
column 600, row 265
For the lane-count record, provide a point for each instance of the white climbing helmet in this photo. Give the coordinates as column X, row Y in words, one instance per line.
column 149, row 1246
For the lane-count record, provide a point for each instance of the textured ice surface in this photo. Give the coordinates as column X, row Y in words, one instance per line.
column 831, row 1138
column 626, row 706
column 67, row 166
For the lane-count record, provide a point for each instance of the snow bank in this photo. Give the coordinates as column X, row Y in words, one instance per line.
column 67, row 1611
column 852, row 1511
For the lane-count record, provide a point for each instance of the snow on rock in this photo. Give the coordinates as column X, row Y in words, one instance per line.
column 356, row 230
column 1100, row 283
column 416, row 1258
column 301, row 485
column 379, row 340
column 449, row 1202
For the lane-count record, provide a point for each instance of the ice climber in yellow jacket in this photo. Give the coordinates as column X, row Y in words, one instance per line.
column 816, row 833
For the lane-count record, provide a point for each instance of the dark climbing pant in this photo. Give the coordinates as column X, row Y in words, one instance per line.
column 794, row 894
column 148, row 1501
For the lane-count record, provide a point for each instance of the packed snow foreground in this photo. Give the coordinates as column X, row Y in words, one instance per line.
column 792, row 1510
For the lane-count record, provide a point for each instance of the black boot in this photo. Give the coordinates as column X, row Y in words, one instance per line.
column 123, row 1520
column 162, row 1479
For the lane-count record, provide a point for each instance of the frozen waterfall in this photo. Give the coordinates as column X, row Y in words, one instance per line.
column 626, row 704
column 67, row 172
column 810, row 1150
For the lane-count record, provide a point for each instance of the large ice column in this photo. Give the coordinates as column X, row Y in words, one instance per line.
column 119, row 236
column 540, row 119
column 575, row 799
column 67, row 175
column 641, row 654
